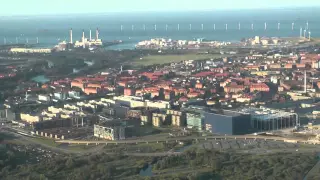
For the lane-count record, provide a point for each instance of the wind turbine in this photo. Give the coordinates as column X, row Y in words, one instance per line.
column 292, row 26
column 304, row 33
column 144, row 27
column 278, row 26
column 155, row 27
column 307, row 25
column 226, row 27
column 239, row 26
column 202, row 27
column 132, row 27
column 121, row 27
column 190, row 27
column 252, row 26
column 214, row 26
column 265, row 26
column 178, row 27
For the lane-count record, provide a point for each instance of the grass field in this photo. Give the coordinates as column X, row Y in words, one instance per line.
column 163, row 59
column 46, row 141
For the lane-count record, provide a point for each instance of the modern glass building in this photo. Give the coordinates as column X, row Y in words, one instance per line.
column 218, row 121
column 195, row 120
column 266, row 119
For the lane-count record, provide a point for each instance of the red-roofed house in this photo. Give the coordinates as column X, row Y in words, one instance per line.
column 259, row 87
column 234, row 89
column 90, row 90
column 199, row 86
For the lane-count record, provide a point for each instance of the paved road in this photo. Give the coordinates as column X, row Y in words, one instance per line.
column 96, row 149
column 136, row 141
column 32, row 139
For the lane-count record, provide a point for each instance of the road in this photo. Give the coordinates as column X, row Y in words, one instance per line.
column 136, row 141
column 97, row 149
column 32, row 139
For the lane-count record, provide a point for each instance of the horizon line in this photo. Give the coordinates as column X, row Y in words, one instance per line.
column 164, row 10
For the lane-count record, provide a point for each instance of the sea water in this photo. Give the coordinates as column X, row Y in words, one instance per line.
column 54, row 28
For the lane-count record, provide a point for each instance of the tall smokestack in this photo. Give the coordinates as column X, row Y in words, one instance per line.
column 71, row 41
column 305, row 81
column 97, row 34
column 90, row 35
column 84, row 44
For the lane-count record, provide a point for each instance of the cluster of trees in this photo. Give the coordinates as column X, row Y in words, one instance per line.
column 280, row 166
column 93, row 167
column 194, row 164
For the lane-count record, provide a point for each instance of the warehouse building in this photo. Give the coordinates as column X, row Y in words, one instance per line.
column 218, row 121
column 265, row 119
column 30, row 50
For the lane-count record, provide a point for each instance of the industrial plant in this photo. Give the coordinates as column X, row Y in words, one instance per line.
column 85, row 43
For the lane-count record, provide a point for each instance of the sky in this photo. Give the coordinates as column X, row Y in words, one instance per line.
column 40, row 7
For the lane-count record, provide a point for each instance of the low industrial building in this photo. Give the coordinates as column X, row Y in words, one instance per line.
column 29, row 50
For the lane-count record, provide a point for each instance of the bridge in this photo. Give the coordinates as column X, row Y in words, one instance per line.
column 242, row 137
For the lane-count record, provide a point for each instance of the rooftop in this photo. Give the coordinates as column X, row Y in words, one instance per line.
column 201, row 109
column 265, row 113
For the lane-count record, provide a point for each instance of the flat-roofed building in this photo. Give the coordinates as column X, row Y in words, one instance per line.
column 218, row 121
column 29, row 50
column 265, row 119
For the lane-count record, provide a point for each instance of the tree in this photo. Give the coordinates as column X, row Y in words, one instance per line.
column 69, row 163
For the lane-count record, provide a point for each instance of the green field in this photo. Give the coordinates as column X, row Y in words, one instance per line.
column 163, row 59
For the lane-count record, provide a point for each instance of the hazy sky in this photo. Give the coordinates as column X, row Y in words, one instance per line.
column 34, row 7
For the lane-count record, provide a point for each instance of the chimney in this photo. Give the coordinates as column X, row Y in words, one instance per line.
column 97, row 34
column 90, row 35
column 305, row 81
column 84, row 44
column 71, row 41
